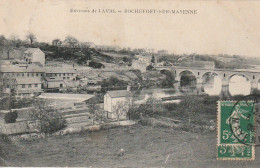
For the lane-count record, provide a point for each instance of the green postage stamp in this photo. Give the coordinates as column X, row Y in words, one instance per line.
column 236, row 130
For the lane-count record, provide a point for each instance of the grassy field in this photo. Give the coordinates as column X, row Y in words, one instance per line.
column 142, row 146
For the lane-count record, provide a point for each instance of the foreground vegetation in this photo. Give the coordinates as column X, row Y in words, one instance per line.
column 134, row 146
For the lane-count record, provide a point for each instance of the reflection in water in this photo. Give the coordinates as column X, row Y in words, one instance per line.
column 239, row 85
column 213, row 86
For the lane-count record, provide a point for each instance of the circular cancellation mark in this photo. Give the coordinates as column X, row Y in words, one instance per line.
column 250, row 134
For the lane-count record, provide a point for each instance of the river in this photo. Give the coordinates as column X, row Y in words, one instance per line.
column 238, row 85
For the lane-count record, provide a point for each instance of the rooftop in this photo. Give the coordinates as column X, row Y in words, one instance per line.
column 59, row 70
column 21, row 68
column 119, row 93
column 31, row 50
column 28, row 80
column 53, row 79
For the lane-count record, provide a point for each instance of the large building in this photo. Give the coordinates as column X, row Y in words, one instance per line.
column 58, row 77
column 27, row 77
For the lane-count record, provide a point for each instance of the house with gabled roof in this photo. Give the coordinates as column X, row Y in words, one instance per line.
column 114, row 99
column 32, row 55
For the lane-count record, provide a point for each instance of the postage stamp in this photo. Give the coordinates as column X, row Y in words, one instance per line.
column 236, row 130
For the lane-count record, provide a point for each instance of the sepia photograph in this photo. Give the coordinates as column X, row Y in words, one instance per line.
column 129, row 83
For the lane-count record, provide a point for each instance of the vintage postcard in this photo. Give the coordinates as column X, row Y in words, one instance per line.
column 129, row 83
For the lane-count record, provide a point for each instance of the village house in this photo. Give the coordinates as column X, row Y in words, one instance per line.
column 142, row 62
column 58, row 77
column 29, row 87
column 114, row 99
column 33, row 55
column 163, row 52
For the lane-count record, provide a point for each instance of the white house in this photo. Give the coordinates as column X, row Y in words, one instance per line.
column 32, row 55
column 117, row 103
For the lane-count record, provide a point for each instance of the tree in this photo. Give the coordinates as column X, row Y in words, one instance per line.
column 31, row 38
column 121, row 109
column 188, row 107
column 11, row 117
column 55, row 42
column 71, row 41
column 93, row 108
column 149, row 67
column 152, row 60
column 48, row 119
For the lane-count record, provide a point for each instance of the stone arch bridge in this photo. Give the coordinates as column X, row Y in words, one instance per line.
column 224, row 74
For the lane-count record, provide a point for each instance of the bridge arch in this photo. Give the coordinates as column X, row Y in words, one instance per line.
column 212, row 72
column 178, row 74
column 239, row 74
column 238, row 85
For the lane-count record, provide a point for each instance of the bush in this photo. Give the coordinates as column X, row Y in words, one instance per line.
column 149, row 67
column 11, row 117
column 48, row 119
column 210, row 99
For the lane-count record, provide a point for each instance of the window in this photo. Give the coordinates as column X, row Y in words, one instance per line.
column 68, row 77
column 64, row 77
column 37, row 74
column 41, row 74
column 17, row 74
column 59, row 74
column 23, row 86
column 28, row 75
column 7, row 86
column 32, row 74
column 63, row 74
column 22, row 74
column 29, row 86
column 36, row 85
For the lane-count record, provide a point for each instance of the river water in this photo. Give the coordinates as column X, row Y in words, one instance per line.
column 238, row 85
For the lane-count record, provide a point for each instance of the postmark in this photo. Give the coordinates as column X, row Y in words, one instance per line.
column 236, row 130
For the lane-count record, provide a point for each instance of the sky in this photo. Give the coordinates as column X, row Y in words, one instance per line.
column 219, row 27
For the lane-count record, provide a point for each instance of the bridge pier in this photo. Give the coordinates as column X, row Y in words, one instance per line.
column 176, row 86
column 199, row 85
column 225, row 88
column 254, row 86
